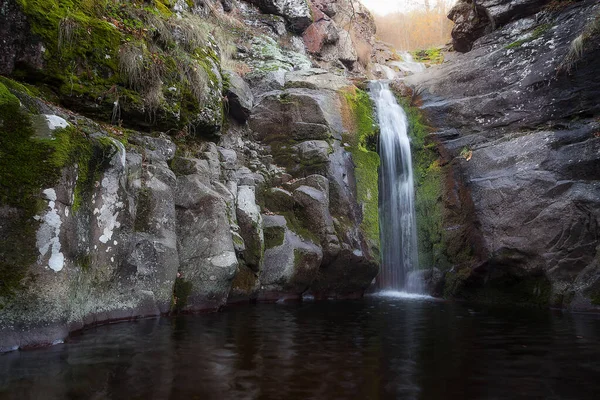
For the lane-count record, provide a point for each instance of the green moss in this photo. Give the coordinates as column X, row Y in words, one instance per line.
column 433, row 55
column 26, row 167
column 535, row 34
column 84, row 261
column 274, row 237
column 363, row 146
column 7, row 99
column 298, row 226
column 84, row 41
column 181, row 291
column 429, row 177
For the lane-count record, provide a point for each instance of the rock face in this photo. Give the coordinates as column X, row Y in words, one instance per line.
column 186, row 210
column 522, row 146
column 296, row 12
column 476, row 18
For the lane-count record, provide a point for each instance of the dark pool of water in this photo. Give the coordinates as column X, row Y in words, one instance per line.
column 376, row 348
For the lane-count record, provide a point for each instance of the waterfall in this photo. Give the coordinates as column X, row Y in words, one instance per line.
column 397, row 195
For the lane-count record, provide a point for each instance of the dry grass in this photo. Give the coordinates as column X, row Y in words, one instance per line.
column 364, row 50
column 181, row 49
column 67, row 31
column 590, row 32
column 131, row 64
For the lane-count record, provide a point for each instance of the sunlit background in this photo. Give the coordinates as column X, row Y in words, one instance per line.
column 383, row 7
column 412, row 24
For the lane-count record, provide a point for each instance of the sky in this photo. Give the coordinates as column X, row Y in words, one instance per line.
column 387, row 6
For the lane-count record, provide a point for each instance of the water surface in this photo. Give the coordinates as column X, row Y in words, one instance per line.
column 378, row 348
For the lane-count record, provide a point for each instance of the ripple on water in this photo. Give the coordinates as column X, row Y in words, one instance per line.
column 402, row 295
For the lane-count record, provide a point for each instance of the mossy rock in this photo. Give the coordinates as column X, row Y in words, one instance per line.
column 30, row 163
column 121, row 64
column 362, row 140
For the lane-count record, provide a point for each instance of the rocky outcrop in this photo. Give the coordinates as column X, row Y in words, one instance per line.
column 145, row 198
column 296, row 12
column 521, row 156
column 239, row 97
column 476, row 18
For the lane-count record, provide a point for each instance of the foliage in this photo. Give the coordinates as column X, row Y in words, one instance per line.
column 429, row 56
column 134, row 56
column 590, row 33
column 417, row 28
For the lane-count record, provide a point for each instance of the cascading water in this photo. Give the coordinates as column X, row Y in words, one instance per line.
column 397, row 195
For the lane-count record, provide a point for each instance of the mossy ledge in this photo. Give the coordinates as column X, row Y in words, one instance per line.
column 362, row 141
column 22, row 181
column 119, row 62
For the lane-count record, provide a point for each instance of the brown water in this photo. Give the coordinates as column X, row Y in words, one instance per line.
column 377, row 348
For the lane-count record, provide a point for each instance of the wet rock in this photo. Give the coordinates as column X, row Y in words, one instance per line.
column 19, row 47
column 533, row 175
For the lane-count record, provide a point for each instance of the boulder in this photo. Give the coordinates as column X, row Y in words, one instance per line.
column 474, row 19
column 208, row 260
column 291, row 263
column 250, row 222
column 305, row 113
column 316, row 78
column 296, row 12
column 239, row 97
column 319, row 34
column 313, row 152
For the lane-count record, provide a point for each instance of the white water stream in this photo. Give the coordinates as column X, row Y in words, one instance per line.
column 397, row 196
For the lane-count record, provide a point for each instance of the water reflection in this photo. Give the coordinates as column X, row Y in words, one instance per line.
column 379, row 348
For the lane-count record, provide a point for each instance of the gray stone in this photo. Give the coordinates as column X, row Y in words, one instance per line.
column 316, row 78
column 296, row 12
column 250, row 222
column 289, row 269
column 313, row 151
column 207, row 253
column 528, row 193
column 239, row 96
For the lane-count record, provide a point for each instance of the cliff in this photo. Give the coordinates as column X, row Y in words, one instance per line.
column 516, row 130
column 175, row 156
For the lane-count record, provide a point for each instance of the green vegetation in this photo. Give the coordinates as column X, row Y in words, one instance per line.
column 429, row 184
column 429, row 56
column 22, row 181
column 590, row 33
column 535, row 34
column 110, row 59
column 274, row 237
column 363, row 146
